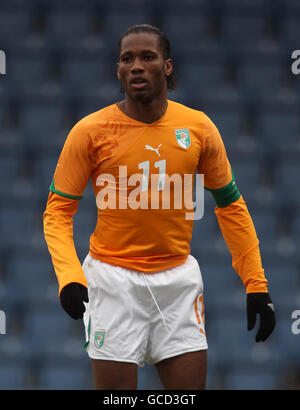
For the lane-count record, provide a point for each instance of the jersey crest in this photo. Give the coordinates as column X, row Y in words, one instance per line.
column 183, row 137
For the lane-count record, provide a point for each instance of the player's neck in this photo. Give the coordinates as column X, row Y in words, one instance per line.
column 144, row 112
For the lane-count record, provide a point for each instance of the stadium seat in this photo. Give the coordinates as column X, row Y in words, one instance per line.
column 44, row 171
column 257, row 78
column 246, row 175
column 290, row 32
column 46, row 331
column 9, row 167
column 279, row 129
column 84, row 226
column 14, row 25
column 115, row 24
column 41, row 121
column 288, row 178
column 16, row 224
column 58, row 377
column 184, row 31
column 130, row 6
column 228, row 124
column 82, row 75
column 244, row 379
column 284, row 282
column 227, row 332
column 242, row 32
column 245, row 7
column 287, row 341
column 265, row 224
column 68, row 26
column 12, row 377
column 26, row 274
column 27, row 73
column 148, row 378
column 201, row 75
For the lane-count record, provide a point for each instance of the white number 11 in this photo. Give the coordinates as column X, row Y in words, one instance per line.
column 161, row 165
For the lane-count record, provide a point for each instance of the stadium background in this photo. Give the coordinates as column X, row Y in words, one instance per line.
column 233, row 61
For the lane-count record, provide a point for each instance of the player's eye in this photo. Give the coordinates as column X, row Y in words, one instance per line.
column 148, row 57
column 126, row 59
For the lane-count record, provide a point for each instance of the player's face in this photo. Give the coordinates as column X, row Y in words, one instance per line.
column 142, row 68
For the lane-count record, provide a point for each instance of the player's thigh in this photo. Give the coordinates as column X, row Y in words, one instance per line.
column 186, row 371
column 113, row 375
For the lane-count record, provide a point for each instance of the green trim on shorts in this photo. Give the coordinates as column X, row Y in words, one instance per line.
column 52, row 188
column 89, row 334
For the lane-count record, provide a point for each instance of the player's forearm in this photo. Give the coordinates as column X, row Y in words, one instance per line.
column 58, row 231
column 240, row 236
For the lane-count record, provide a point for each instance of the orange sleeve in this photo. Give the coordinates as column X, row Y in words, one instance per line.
column 213, row 161
column 58, row 231
column 240, row 236
column 74, row 165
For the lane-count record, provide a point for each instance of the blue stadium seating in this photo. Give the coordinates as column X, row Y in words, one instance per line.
column 259, row 78
column 243, row 31
column 290, row 31
column 29, row 278
column 148, row 378
column 66, row 377
column 246, row 379
column 82, row 75
column 46, row 331
column 14, row 24
column 116, row 23
column 67, row 27
column 41, row 121
column 12, row 377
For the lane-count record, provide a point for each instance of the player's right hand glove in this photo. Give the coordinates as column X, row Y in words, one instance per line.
column 261, row 303
column 72, row 297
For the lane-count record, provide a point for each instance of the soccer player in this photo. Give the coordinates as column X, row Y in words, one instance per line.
column 139, row 290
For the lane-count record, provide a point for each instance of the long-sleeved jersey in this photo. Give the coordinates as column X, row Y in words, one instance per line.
column 142, row 176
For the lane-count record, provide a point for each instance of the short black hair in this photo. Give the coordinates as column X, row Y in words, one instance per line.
column 163, row 42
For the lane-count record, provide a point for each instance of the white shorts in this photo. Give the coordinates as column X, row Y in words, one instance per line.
column 136, row 317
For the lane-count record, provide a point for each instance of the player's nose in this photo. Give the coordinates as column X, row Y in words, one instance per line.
column 137, row 65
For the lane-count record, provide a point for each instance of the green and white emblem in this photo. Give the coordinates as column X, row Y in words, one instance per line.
column 183, row 137
column 99, row 339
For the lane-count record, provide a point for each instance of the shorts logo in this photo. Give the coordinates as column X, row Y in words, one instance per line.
column 99, row 339
column 183, row 137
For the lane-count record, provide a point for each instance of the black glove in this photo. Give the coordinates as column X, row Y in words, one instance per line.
column 261, row 303
column 72, row 297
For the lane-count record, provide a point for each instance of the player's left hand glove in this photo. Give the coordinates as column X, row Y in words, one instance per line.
column 261, row 303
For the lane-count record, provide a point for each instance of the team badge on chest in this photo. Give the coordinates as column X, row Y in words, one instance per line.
column 183, row 137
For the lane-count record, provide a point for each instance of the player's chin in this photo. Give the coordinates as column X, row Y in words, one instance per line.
column 144, row 96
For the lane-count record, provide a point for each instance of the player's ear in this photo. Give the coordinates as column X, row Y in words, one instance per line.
column 168, row 67
column 118, row 73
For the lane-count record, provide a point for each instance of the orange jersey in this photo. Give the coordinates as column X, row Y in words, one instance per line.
column 182, row 142
column 113, row 150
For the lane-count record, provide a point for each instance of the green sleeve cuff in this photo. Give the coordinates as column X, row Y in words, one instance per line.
column 52, row 188
column 226, row 195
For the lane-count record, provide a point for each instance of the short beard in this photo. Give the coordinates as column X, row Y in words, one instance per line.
column 148, row 97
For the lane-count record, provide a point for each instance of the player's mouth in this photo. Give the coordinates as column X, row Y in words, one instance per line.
column 138, row 82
